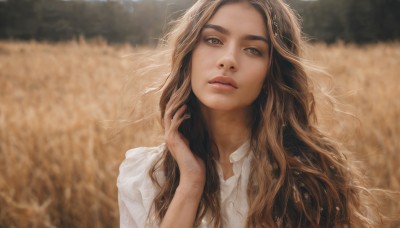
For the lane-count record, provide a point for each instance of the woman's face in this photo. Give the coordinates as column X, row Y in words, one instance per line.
column 230, row 61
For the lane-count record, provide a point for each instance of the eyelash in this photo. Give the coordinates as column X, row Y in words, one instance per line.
column 211, row 39
column 216, row 41
column 254, row 51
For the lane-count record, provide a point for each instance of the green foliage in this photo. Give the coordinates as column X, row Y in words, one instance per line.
column 55, row 20
column 357, row 21
column 143, row 21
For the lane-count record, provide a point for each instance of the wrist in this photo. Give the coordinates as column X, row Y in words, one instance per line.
column 192, row 190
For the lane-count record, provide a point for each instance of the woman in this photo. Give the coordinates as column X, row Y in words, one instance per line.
column 242, row 148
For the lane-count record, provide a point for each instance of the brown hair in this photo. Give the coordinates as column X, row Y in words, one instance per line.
column 299, row 177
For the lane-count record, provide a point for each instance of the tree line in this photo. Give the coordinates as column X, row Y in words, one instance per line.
column 143, row 21
column 357, row 21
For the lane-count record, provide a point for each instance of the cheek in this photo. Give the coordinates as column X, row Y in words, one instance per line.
column 255, row 90
column 196, row 60
column 196, row 69
column 258, row 76
column 255, row 82
column 201, row 64
column 200, row 58
column 194, row 64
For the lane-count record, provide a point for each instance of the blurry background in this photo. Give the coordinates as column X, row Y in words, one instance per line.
column 72, row 71
column 142, row 21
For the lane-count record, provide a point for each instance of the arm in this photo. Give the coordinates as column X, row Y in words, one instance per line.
column 125, row 219
column 183, row 208
column 135, row 188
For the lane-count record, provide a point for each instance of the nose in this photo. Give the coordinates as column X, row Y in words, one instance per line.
column 228, row 61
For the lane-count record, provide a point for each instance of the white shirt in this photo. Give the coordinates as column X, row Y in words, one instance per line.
column 136, row 191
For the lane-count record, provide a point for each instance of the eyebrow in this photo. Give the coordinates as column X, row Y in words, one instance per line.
column 223, row 30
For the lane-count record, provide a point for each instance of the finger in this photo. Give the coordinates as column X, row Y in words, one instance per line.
column 175, row 121
column 178, row 118
column 167, row 119
column 179, row 121
column 179, row 113
column 168, row 114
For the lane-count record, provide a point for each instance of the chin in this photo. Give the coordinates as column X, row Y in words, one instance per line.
column 221, row 106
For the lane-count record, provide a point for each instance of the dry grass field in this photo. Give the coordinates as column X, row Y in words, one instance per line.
column 59, row 161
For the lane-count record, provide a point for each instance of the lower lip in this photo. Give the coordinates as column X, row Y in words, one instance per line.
column 221, row 86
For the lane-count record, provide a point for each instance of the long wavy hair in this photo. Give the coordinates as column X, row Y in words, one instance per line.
column 299, row 177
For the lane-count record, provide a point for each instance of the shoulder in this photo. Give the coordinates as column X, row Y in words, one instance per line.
column 137, row 163
column 136, row 190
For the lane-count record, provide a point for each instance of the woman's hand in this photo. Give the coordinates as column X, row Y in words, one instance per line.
column 183, row 207
column 191, row 167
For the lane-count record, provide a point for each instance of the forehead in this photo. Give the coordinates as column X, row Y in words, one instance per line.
column 240, row 16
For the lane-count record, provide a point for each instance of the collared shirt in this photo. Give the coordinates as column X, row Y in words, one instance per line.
column 136, row 191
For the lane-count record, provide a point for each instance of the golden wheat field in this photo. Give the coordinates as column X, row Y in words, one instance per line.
column 59, row 157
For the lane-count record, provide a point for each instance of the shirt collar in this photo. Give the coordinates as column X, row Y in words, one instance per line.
column 240, row 153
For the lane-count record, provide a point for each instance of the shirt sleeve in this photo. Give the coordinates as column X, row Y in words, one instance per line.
column 136, row 191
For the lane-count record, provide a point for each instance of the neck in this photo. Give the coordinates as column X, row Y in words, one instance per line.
column 228, row 130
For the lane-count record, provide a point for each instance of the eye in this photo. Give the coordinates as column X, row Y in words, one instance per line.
column 213, row 41
column 254, row 51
